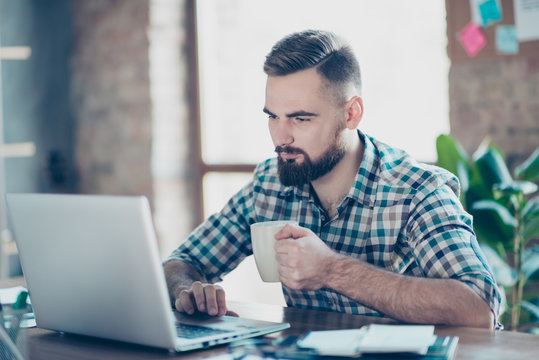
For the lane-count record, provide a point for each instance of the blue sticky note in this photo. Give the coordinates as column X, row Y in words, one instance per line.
column 490, row 12
column 506, row 39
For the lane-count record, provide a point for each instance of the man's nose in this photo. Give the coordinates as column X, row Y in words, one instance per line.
column 281, row 131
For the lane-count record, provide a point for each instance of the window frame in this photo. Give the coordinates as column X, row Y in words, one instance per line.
column 202, row 167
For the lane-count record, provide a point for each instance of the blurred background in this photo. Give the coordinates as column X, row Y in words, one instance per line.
column 164, row 98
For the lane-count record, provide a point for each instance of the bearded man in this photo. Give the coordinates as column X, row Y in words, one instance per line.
column 379, row 233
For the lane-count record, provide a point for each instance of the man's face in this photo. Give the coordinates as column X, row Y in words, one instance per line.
column 305, row 126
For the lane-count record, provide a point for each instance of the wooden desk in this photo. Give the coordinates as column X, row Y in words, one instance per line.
column 473, row 343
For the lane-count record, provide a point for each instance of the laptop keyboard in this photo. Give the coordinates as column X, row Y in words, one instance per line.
column 193, row 331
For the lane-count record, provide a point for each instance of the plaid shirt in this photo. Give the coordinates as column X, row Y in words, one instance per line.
column 400, row 215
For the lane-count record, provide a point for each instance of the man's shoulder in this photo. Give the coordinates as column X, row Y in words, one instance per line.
column 399, row 169
column 268, row 166
column 266, row 175
column 267, row 170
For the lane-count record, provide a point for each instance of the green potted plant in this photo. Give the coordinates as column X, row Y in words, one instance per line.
column 506, row 220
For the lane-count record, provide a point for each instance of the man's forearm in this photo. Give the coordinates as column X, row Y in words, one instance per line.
column 411, row 299
column 179, row 275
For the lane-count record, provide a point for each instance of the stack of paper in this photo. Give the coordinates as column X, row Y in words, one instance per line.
column 373, row 338
column 395, row 338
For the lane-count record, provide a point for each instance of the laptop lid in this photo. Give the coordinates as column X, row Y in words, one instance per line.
column 92, row 267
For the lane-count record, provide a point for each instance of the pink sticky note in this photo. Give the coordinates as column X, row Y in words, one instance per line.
column 472, row 38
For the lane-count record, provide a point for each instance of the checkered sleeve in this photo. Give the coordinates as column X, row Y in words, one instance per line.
column 445, row 246
column 221, row 242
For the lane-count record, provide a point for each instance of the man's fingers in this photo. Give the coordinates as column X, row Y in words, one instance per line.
column 200, row 299
column 215, row 300
column 211, row 300
column 185, row 302
column 291, row 231
column 287, row 246
column 221, row 301
column 206, row 298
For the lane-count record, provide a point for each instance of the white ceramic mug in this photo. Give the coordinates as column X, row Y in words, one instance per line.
column 263, row 241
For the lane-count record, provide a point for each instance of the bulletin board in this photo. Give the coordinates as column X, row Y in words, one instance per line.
column 459, row 15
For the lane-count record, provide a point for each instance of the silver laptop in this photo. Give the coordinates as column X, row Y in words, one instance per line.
column 92, row 267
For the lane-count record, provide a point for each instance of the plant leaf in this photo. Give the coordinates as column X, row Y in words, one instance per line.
column 531, row 308
column 501, row 211
column 492, row 167
column 529, row 169
column 505, row 275
column 464, row 176
column 514, row 187
column 530, row 262
column 503, row 303
column 530, row 219
column 450, row 154
column 493, row 224
column 530, row 209
column 530, row 228
column 483, row 147
column 531, row 296
column 477, row 191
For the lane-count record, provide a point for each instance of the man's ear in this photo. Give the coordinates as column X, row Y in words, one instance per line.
column 354, row 112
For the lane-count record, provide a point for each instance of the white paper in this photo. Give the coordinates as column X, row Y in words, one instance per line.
column 9, row 295
column 28, row 320
column 371, row 339
column 527, row 19
column 398, row 338
column 333, row 342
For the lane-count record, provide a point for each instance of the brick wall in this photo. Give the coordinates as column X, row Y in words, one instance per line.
column 499, row 99
column 111, row 96
column 133, row 107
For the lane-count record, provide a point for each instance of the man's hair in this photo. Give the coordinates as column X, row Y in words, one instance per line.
column 329, row 54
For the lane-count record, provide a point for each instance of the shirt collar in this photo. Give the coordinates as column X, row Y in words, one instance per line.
column 364, row 189
column 365, row 185
column 299, row 191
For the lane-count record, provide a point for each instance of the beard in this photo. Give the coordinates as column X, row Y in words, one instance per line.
column 293, row 174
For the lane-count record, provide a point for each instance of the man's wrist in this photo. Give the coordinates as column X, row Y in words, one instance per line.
column 332, row 272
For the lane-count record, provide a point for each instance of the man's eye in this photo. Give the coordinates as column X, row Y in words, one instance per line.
column 271, row 117
column 302, row 119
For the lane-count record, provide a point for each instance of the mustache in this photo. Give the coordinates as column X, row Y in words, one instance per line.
column 288, row 150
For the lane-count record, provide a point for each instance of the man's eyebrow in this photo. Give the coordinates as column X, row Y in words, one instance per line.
column 301, row 113
column 268, row 112
column 294, row 114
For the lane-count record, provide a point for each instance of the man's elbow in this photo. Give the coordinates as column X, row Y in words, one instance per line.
column 483, row 319
column 476, row 314
column 487, row 321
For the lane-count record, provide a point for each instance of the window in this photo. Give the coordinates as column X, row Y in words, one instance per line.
column 401, row 47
